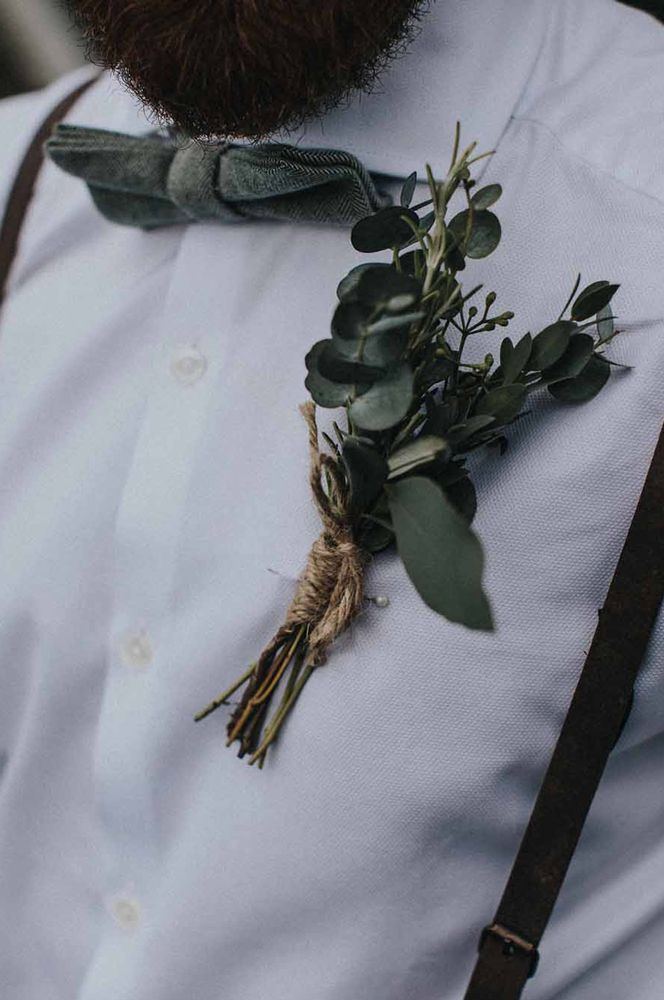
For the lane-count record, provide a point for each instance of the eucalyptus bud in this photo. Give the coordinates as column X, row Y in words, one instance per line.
column 472, row 312
column 490, row 299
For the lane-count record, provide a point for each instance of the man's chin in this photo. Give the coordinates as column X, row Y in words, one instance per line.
column 245, row 68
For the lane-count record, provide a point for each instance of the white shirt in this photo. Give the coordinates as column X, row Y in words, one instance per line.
column 155, row 511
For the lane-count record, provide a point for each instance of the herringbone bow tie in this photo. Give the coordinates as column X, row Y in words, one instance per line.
column 158, row 180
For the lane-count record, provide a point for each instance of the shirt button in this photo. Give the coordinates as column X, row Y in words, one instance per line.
column 188, row 365
column 126, row 912
column 137, row 650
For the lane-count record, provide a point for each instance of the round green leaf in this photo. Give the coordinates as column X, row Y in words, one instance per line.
column 487, row 196
column 383, row 230
column 442, row 555
column 586, row 385
column 323, row 391
column 347, row 287
column 339, row 369
column 386, row 402
column 382, row 285
column 484, row 235
column 550, row 344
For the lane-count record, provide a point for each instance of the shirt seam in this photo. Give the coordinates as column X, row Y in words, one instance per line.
column 596, row 168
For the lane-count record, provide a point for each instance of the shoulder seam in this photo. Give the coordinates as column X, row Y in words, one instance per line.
column 589, row 164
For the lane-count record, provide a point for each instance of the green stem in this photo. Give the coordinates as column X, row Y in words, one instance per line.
column 223, row 698
column 280, row 716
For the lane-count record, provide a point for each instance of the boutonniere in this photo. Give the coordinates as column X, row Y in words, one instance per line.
column 412, row 410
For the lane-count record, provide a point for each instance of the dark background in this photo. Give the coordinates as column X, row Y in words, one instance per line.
column 37, row 43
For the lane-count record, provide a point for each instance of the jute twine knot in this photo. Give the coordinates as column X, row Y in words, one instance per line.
column 330, row 590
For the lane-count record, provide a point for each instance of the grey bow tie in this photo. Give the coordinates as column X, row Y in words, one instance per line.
column 157, row 180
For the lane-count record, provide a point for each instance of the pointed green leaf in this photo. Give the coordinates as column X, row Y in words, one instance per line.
column 366, row 470
column 605, row 325
column 512, row 367
column 442, row 555
column 461, row 432
column 408, row 189
column 503, row 403
column 550, row 344
column 593, row 298
column 463, row 498
column 423, row 450
column 573, row 361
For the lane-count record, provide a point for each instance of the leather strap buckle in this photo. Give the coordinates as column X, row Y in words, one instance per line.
column 512, row 943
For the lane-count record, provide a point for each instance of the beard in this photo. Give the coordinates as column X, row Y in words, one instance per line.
column 245, row 68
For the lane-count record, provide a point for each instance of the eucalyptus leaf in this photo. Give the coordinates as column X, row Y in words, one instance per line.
column 386, row 402
column 423, row 450
column 380, row 285
column 550, row 344
column 486, row 196
column 573, row 361
column 518, row 359
column 484, row 234
column 397, row 322
column 378, row 345
column 412, row 263
column 366, row 470
column 463, row 497
column 350, row 320
column 586, row 385
column 593, row 298
column 462, row 432
column 502, row 403
column 442, row 555
column 384, row 230
column 375, row 537
column 347, row 287
column 605, row 326
column 323, row 391
column 332, row 366
column 408, row 189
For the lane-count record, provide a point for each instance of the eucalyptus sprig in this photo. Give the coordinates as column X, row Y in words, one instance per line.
column 413, row 410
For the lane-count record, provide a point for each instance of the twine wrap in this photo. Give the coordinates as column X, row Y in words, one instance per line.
column 329, row 595
column 330, row 590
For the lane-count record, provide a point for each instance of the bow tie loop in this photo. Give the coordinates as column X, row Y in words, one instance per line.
column 160, row 180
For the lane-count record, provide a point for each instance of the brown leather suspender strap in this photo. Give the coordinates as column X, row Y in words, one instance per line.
column 508, row 947
column 24, row 185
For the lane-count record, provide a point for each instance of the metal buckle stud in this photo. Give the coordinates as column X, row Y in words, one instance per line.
column 512, row 943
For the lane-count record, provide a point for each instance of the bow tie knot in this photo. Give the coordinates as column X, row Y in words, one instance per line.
column 158, row 180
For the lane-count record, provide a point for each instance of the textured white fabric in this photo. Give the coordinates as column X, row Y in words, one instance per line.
column 154, row 512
